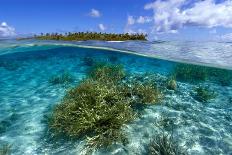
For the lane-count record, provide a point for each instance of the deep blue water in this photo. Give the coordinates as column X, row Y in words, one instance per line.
column 26, row 97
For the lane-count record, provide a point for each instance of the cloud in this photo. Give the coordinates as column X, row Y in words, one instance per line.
column 171, row 15
column 101, row 27
column 225, row 37
column 132, row 27
column 95, row 13
column 6, row 30
column 130, row 20
column 142, row 19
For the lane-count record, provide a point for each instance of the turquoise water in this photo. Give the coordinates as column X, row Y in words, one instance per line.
column 27, row 97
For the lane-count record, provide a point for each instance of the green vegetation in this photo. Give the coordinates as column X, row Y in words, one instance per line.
column 171, row 84
column 221, row 76
column 193, row 74
column 142, row 93
column 88, row 61
column 107, row 73
column 79, row 36
column 93, row 108
column 5, row 149
column 164, row 144
column 190, row 73
column 64, row 78
column 100, row 106
column 4, row 125
column 204, row 94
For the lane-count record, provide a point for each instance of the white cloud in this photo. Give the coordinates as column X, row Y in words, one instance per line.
column 142, row 19
column 130, row 20
column 101, row 27
column 6, row 30
column 131, row 26
column 95, row 13
column 171, row 15
column 4, row 24
column 225, row 37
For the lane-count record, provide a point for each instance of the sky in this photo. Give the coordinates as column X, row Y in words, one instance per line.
column 160, row 19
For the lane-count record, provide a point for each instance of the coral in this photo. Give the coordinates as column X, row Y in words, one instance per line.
column 107, row 72
column 7, row 122
column 164, row 144
column 146, row 93
column 166, row 123
column 4, row 125
column 204, row 94
column 100, row 106
column 88, row 61
column 63, row 78
column 190, row 73
column 171, row 84
column 5, row 149
column 221, row 76
column 93, row 109
column 142, row 93
column 194, row 73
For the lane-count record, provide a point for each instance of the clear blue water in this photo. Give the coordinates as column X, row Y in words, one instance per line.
column 27, row 97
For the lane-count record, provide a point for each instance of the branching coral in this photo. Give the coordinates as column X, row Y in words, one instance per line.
column 88, row 61
column 204, row 94
column 64, row 78
column 221, row 76
column 107, row 73
column 194, row 73
column 100, row 106
column 5, row 149
column 171, row 84
column 164, row 144
column 145, row 93
column 190, row 73
column 93, row 108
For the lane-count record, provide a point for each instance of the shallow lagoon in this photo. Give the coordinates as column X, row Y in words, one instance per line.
column 27, row 97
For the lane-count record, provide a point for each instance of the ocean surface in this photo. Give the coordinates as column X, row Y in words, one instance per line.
column 27, row 96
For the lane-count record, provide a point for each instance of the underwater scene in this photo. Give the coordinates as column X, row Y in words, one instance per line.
column 93, row 98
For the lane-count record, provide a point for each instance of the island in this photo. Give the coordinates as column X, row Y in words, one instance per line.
column 82, row 36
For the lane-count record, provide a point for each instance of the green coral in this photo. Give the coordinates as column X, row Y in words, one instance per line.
column 107, row 72
column 171, row 84
column 142, row 93
column 88, row 61
column 164, row 144
column 93, row 108
column 194, row 73
column 100, row 106
column 190, row 73
column 220, row 76
column 5, row 149
column 64, row 78
column 204, row 94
